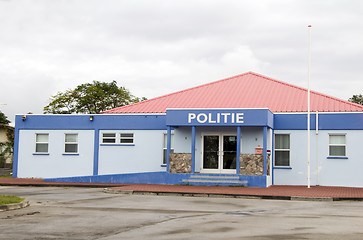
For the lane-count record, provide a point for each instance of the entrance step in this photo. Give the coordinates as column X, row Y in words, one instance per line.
column 215, row 177
column 215, row 180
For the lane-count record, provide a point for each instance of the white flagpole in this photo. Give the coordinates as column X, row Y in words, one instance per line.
column 308, row 132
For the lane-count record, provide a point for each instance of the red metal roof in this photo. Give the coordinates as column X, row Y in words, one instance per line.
column 248, row 90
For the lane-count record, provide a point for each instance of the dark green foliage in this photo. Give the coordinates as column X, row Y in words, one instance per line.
column 6, row 148
column 3, row 119
column 90, row 98
column 356, row 99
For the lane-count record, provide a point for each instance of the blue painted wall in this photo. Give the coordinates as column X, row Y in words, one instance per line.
column 153, row 178
column 214, row 117
column 100, row 121
column 326, row 121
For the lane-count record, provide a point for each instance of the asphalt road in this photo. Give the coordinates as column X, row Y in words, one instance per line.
column 89, row 213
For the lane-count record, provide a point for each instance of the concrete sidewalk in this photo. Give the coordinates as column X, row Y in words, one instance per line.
column 318, row 193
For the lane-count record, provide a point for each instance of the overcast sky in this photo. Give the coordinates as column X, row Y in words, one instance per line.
column 157, row 47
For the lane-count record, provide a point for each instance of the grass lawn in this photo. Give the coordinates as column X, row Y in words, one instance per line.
column 5, row 176
column 9, row 199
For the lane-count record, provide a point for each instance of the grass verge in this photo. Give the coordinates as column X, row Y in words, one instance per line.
column 4, row 199
column 6, row 176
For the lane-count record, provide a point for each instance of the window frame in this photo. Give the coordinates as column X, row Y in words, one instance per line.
column 115, row 138
column 120, row 138
column 68, row 143
column 38, row 142
column 165, row 147
column 282, row 150
column 337, row 145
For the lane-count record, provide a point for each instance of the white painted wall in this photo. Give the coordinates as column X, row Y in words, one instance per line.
column 251, row 138
column 183, row 139
column 145, row 156
column 332, row 172
column 55, row 164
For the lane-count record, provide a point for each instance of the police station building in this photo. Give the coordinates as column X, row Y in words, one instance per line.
column 245, row 130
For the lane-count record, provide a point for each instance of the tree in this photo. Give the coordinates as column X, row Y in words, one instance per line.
column 4, row 119
column 6, row 148
column 90, row 98
column 356, row 99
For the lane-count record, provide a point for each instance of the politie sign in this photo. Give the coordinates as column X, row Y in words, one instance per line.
column 219, row 117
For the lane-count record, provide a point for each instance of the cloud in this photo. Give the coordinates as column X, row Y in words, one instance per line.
column 157, row 47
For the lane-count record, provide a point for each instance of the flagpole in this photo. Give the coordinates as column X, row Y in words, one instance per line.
column 308, row 119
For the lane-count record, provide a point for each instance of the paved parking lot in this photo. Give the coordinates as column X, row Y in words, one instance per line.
column 89, row 213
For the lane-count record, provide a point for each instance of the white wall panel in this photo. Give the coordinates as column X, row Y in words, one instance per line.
column 145, row 155
column 56, row 164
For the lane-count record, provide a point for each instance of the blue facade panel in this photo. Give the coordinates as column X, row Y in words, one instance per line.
column 155, row 178
column 326, row 121
column 219, row 117
column 100, row 121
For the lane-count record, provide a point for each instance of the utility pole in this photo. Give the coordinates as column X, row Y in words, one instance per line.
column 308, row 128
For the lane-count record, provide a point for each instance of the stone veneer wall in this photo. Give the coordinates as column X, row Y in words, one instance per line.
column 180, row 163
column 252, row 164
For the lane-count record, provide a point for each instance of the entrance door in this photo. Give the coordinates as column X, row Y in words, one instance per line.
column 219, row 153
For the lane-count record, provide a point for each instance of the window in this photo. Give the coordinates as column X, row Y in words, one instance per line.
column 282, row 150
column 126, row 138
column 117, row 139
column 41, row 142
column 109, row 138
column 337, row 146
column 165, row 147
column 71, row 143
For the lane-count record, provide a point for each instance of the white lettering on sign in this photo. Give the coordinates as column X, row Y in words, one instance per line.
column 199, row 117
column 190, row 117
column 216, row 117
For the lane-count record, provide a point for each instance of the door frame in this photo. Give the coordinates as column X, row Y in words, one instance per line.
column 220, row 169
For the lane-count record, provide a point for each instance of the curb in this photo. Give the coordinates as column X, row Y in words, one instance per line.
column 221, row 195
column 14, row 206
column 50, row 184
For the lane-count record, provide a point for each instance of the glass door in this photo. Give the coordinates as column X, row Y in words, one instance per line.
column 211, row 152
column 229, row 153
column 219, row 153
